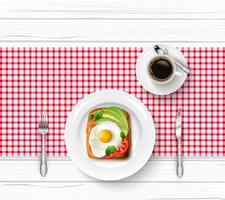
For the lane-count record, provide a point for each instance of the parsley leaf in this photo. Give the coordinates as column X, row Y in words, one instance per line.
column 122, row 135
column 91, row 117
column 110, row 149
column 98, row 114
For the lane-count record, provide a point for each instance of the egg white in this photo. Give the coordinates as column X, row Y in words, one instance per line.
column 98, row 148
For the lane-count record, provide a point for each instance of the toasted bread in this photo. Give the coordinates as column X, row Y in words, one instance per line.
column 117, row 154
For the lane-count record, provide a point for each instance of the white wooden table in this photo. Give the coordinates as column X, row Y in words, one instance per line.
column 112, row 23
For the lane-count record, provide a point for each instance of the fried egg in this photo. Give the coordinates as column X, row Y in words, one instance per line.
column 103, row 135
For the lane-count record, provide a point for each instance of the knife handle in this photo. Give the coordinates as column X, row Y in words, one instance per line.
column 180, row 169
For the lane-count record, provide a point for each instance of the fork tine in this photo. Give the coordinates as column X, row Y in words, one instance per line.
column 45, row 118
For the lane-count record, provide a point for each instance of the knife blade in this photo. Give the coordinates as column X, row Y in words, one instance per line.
column 180, row 170
column 178, row 123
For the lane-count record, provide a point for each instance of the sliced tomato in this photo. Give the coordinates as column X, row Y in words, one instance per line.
column 122, row 148
column 109, row 156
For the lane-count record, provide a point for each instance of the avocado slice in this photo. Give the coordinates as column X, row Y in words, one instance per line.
column 113, row 115
column 121, row 113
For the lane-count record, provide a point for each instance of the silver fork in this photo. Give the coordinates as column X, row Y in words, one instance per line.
column 43, row 130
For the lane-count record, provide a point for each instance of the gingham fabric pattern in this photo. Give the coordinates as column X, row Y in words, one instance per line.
column 57, row 78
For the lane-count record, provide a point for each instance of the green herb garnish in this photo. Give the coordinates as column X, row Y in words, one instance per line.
column 110, row 149
column 98, row 115
column 91, row 117
column 122, row 135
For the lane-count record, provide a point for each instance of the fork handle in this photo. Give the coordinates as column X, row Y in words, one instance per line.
column 43, row 165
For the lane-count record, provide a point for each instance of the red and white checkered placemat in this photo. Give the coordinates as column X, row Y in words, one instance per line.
column 57, row 78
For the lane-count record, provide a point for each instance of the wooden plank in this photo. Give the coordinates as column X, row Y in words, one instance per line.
column 129, row 9
column 197, row 170
column 112, row 30
column 109, row 190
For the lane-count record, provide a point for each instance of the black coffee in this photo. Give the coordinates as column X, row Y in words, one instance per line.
column 161, row 69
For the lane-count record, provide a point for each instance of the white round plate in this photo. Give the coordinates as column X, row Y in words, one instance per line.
column 142, row 136
column 160, row 89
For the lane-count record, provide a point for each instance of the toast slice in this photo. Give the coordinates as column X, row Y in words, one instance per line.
column 122, row 151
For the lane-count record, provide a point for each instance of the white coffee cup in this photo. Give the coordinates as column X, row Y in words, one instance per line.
column 157, row 57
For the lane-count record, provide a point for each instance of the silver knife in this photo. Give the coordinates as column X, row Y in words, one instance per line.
column 180, row 169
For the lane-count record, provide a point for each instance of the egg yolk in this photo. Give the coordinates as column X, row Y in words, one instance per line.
column 105, row 136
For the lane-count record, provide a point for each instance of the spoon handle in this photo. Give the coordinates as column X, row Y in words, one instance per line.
column 159, row 50
column 184, row 68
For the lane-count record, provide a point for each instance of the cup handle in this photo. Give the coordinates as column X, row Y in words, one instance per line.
column 178, row 74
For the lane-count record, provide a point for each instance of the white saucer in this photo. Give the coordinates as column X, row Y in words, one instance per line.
column 160, row 89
